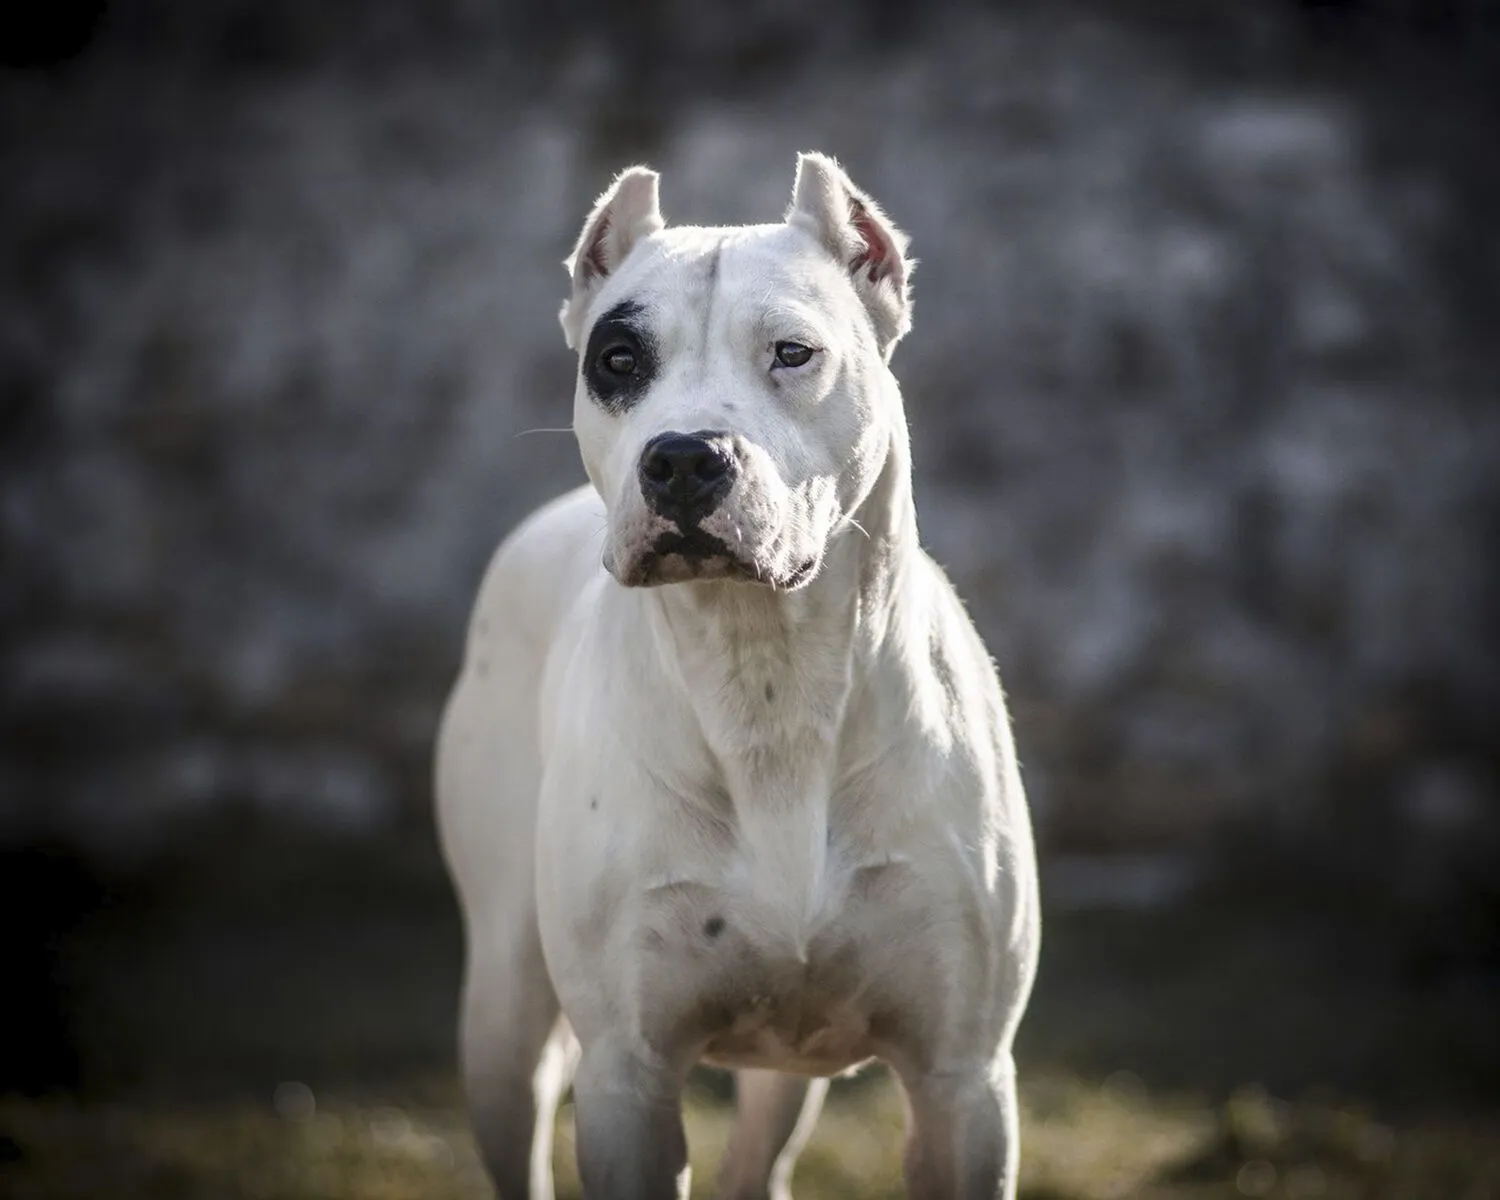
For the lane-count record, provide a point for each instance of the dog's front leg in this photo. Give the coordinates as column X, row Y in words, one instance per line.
column 963, row 1139
column 628, row 1113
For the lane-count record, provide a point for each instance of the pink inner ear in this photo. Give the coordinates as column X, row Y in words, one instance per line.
column 593, row 259
column 878, row 252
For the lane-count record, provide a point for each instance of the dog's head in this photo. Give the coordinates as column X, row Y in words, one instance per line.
column 734, row 406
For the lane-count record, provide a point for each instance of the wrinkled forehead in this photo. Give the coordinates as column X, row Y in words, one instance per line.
column 776, row 273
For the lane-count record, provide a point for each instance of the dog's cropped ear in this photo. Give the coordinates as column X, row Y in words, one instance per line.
column 628, row 211
column 852, row 227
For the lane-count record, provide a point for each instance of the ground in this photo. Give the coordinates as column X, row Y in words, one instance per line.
column 274, row 1019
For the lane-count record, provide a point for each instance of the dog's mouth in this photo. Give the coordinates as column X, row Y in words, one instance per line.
column 691, row 555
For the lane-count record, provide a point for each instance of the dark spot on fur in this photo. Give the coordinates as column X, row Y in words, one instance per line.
column 886, row 1027
column 620, row 331
column 713, row 926
column 594, row 803
column 770, row 691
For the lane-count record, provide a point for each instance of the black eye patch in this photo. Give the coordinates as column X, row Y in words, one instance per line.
column 620, row 361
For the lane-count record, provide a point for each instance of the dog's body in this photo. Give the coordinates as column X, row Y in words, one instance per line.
column 766, row 814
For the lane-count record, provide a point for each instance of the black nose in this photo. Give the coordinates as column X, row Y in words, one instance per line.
column 685, row 476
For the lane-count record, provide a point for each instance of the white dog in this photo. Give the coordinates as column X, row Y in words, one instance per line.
column 727, row 776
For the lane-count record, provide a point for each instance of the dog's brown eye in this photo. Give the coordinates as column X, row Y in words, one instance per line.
column 618, row 360
column 793, row 354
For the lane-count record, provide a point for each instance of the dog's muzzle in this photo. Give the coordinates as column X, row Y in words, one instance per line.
column 685, row 476
column 686, row 479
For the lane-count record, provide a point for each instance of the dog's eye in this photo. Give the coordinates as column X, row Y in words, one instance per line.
column 793, row 354
column 618, row 360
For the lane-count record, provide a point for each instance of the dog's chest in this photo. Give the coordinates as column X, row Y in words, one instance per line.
column 760, row 985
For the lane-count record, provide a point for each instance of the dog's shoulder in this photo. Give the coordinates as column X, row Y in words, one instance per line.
column 945, row 646
column 539, row 569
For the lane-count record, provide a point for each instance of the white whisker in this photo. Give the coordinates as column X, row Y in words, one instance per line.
column 563, row 429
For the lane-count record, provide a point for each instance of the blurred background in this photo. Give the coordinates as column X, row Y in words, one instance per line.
column 1205, row 393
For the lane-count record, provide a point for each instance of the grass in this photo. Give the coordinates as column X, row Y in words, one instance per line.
column 1083, row 1142
column 274, row 1021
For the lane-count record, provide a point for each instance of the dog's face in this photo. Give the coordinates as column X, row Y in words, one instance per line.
column 733, row 405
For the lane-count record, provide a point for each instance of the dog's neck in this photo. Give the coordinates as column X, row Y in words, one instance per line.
column 770, row 675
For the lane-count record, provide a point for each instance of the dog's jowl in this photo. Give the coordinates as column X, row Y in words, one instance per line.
column 727, row 776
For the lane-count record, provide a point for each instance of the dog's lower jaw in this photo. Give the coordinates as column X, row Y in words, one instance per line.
column 667, row 563
column 654, row 569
